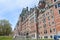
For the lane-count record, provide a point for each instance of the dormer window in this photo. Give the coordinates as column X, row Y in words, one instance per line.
column 41, row 4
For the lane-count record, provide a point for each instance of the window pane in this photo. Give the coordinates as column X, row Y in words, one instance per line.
column 55, row 6
column 54, row 0
column 58, row 4
column 48, row 17
column 50, row 30
column 45, row 36
column 51, row 36
column 59, row 11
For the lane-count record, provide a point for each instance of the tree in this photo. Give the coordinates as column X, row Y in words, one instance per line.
column 5, row 27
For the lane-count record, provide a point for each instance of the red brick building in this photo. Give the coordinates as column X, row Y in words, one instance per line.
column 42, row 21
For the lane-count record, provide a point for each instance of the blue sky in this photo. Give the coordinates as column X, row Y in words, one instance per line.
column 11, row 9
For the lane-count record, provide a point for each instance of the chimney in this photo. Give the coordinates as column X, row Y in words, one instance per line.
column 27, row 8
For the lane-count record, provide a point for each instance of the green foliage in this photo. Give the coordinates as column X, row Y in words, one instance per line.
column 22, row 38
column 38, row 39
column 6, row 38
column 5, row 27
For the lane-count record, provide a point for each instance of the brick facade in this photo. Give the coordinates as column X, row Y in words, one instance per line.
column 44, row 21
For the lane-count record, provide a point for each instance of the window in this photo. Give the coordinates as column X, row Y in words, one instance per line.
column 54, row 29
column 52, row 22
column 51, row 36
column 58, row 4
column 59, row 11
column 41, row 32
column 54, row 0
column 43, row 15
column 32, row 20
column 44, row 20
column 51, row 11
column 33, row 35
column 38, row 35
column 52, row 16
column 55, row 6
column 44, row 25
column 58, row 36
column 50, row 30
column 45, row 36
column 48, row 17
column 46, row 14
column 45, row 31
